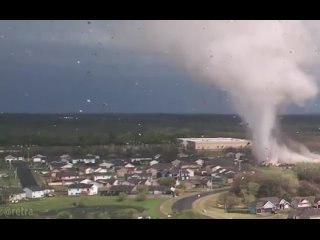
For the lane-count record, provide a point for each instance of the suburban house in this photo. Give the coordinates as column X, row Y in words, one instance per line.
column 129, row 165
column 301, row 203
column 12, row 195
column 183, row 174
column 65, row 158
column 140, row 176
column 121, row 172
column 11, row 158
column 66, row 166
column 90, row 158
column 67, row 175
column 283, row 204
column 82, row 188
column 106, row 165
column 176, row 163
column 108, row 183
column 104, row 176
column 157, row 169
column 190, row 172
column 35, row 192
column 261, row 206
column 39, row 159
column 151, row 182
column 305, row 213
column 200, row 162
column 153, row 162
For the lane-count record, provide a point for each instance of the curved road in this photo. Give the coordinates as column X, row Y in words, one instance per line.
column 186, row 203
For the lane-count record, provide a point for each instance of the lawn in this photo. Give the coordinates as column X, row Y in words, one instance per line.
column 11, row 180
column 151, row 206
column 207, row 207
column 39, row 179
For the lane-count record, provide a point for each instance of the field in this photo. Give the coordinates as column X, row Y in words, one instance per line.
column 82, row 207
column 103, row 129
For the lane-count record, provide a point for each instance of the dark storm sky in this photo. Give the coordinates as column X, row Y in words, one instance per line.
column 68, row 66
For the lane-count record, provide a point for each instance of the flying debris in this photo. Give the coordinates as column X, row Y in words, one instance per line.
column 80, row 111
column 105, row 104
column 78, row 62
column 88, row 100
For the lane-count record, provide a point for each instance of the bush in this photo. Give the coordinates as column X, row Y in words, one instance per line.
column 141, row 197
column 122, row 196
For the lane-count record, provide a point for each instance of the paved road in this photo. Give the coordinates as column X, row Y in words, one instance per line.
column 25, row 175
column 186, row 203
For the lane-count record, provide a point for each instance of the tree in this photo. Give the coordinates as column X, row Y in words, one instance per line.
column 141, row 196
column 122, row 196
column 167, row 181
column 229, row 200
column 247, row 197
column 253, row 188
column 308, row 189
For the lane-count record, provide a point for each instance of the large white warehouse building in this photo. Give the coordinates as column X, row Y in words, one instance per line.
column 212, row 144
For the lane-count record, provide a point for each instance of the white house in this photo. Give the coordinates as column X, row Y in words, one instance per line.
column 35, row 192
column 67, row 166
column 38, row 158
column 65, row 158
column 90, row 158
column 102, row 176
column 129, row 165
column 82, row 188
column 88, row 181
column 191, row 172
column 106, row 165
column 10, row 158
column 153, row 162
column 199, row 162
column 12, row 194
column 101, row 170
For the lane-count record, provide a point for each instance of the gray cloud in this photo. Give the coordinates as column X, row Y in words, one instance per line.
column 54, row 66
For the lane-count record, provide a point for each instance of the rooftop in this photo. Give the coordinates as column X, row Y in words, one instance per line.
column 213, row 140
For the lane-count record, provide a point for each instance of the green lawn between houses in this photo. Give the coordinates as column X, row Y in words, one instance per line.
column 151, row 206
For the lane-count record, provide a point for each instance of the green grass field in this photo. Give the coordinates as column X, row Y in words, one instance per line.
column 38, row 207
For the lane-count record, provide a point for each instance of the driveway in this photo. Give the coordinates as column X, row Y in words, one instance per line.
column 186, row 203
